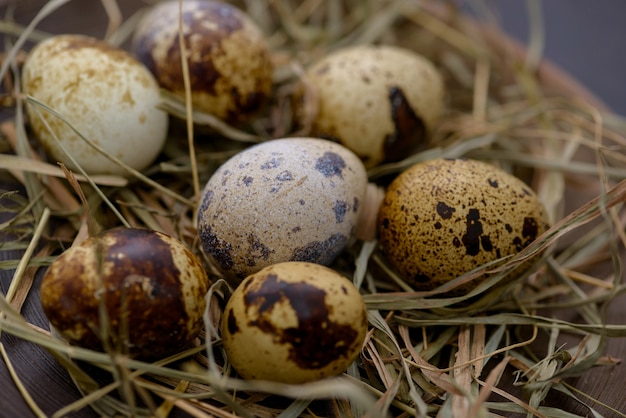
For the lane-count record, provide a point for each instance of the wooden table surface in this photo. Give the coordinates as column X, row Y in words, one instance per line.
column 49, row 384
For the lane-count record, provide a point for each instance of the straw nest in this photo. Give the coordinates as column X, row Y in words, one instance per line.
column 425, row 354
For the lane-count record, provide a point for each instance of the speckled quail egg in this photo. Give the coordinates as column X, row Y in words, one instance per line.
column 230, row 66
column 104, row 93
column 293, row 322
column 442, row 218
column 149, row 285
column 381, row 102
column 290, row 199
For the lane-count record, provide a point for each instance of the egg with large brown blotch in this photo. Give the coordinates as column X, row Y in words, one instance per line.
column 100, row 91
column 229, row 61
column 443, row 218
column 150, row 287
column 294, row 322
column 290, row 199
column 382, row 102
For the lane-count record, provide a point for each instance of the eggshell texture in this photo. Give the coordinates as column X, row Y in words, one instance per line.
column 291, row 199
column 230, row 66
column 294, row 322
column 151, row 286
column 105, row 93
column 442, row 218
column 379, row 101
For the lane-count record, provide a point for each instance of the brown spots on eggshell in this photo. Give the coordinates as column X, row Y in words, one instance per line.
column 231, row 323
column 75, row 44
column 444, row 210
column 442, row 218
column 473, row 233
column 409, row 135
column 305, row 321
column 316, row 341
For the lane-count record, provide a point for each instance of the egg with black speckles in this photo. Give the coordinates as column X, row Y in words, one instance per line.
column 230, row 65
column 289, row 199
column 443, row 218
column 149, row 285
column 100, row 91
column 382, row 102
column 294, row 322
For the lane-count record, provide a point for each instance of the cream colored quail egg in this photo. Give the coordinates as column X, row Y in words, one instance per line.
column 230, row 66
column 442, row 218
column 150, row 286
column 381, row 102
column 290, row 199
column 294, row 322
column 104, row 93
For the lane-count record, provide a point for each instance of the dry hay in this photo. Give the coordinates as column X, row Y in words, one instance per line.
column 425, row 354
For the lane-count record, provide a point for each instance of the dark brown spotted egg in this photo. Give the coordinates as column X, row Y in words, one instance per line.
column 379, row 101
column 294, row 322
column 150, row 287
column 290, row 199
column 442, row 218
column 230, row 66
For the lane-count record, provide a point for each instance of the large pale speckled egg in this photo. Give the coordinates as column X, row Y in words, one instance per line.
column 104, row 93
column 149, row 285
column 294, row 322
column 230, row 66
column 442, row 218
column 290, row 199
column 381, row 102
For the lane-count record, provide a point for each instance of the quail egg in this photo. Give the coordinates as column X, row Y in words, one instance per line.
column 230, row 65
column 443, row 218
column 149, row 285
column 103, row 93
column 294, row 322
column 290, row 199
column 381, row 102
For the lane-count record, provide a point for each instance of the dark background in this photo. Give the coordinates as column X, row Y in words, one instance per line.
column 585, row 38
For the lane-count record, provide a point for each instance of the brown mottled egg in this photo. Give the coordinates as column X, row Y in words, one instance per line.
column 230, row 66
column 104, row 93
column 149, row 284
column 443, row 218
column 290, row 199
column 294, row 322
column 379, row 101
